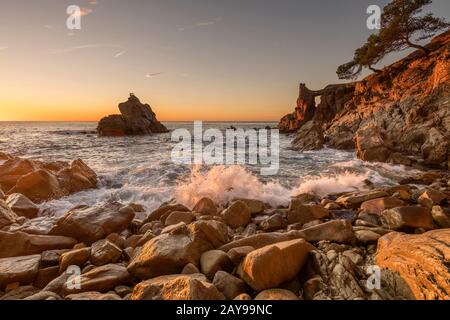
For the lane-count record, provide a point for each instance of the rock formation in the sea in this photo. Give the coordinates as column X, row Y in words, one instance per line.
column 136, row 118
column 26, row 181
column 400, row 115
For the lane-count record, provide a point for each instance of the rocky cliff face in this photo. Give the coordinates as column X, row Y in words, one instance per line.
column 136, row 118
column 401, row 115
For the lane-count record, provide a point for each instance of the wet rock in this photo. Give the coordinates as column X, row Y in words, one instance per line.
column 27, row 244
column 176, row 287
column 165, row 210
column 276, row 294
column 22, row 206
column 421, row 260
column 256, row 206
column 89, row 224
column 168, row 253
column 431, row 197
column 237, row 215
column 261, row 268
column 18, row 269
column 229, row 285
column 407, row 217
column 309, row 137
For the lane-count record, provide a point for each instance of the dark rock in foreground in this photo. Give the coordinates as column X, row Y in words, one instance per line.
column 136, row 118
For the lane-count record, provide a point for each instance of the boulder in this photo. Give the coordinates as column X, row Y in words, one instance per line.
column 441, row 216
column 355, row 199
column 372, row 144
column 104, row 252
column 77, row 177
column 214, row 260
column 22, row 206
column 39, row 186
column 165, row 210
column 261, row 269
column 176, row 287
column 237, row 254
column 276, row 294
column 237, row 215
column 205, row 207
column 7, row 216
column 89, row 224
column 18, row 269
column 436, row 147
column 179, row 216
column 77, row 257
column 273, row 223
column 260, row 240
column 376, row 206
column 340, row 231
column 12, row 170
column 20, row 293
column 135, row 119
column 431, row 197
column 301, row 213
column 45, row 276
column 100, row 279
column 93, row 295
column 407, row 217
column 22, row 244
column 168, row 253
column 420, row 260
column 256, row 206
column 229, row 285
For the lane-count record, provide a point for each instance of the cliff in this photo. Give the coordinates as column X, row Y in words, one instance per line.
column 136, row 118
column 400, row 115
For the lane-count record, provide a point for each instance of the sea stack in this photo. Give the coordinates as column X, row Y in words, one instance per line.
column 136, row 118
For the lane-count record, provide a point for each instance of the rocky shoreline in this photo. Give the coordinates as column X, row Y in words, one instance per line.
column 400, row 115
column 314, row 249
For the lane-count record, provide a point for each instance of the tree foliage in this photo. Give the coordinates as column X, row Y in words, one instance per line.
column 402, row 25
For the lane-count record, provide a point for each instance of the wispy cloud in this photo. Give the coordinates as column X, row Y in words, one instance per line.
column 82, row 47
column 119, row 54
column 150, row 75
column 202, row 24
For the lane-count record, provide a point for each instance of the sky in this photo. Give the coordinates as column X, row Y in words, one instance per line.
column 235, row 60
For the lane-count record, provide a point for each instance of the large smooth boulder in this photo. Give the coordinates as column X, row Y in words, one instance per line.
column 77, row 177
column 18, row 269
column 169, row 252
column 135, row 119
column 237, row 215
column 12, row 170
column 407, row 217
column 100, row 279
column 355, row 199
column 177, row 287
column 22, row 206
column 77, row 257
column 213, row 261
column 14, row 244
column 40, row 185
column 272, row 265
column 229, row 285
column 104, row 252
column 89, row 224
column 421, row 260
column 165, row 210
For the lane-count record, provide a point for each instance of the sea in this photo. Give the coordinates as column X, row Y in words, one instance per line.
column 140, row 169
